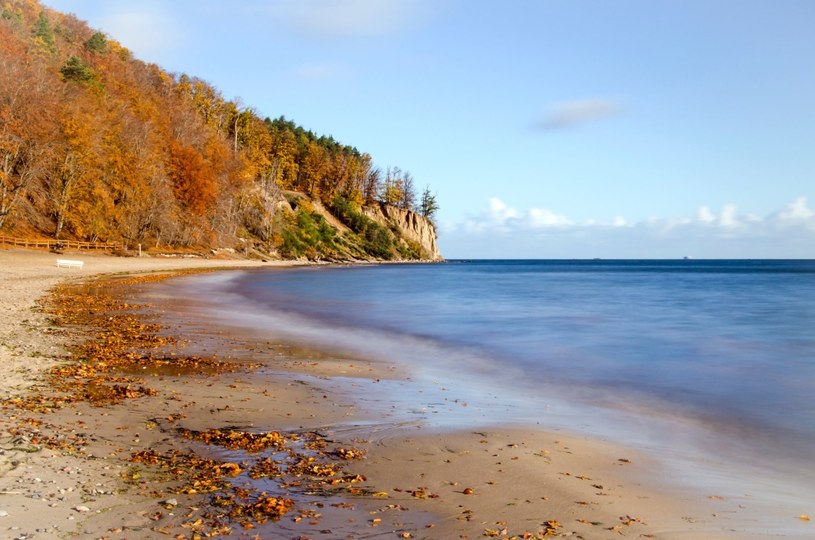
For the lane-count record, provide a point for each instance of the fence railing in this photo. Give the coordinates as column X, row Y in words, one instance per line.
column 59, row 244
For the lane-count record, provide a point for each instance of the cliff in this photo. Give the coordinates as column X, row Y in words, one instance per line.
column 411, row 228
column 343, row 231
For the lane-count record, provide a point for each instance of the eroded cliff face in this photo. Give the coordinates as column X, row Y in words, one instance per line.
column 412, row 226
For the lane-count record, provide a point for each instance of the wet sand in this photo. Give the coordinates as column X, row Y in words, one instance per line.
column 500, row 481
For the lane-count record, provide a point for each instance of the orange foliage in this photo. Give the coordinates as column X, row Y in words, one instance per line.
column 193, row 180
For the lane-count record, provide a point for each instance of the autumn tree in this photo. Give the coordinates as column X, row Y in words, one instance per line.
column 391, row 192
column 193, row 182
column 408, row 199
column 26, row 124
column 372, row 185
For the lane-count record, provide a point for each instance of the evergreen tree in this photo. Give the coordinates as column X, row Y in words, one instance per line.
column 428, row 206
column 43, row 34
column 97, row 43
column 76, row 70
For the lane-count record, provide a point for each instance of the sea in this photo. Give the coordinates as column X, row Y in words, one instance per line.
column 707, row 365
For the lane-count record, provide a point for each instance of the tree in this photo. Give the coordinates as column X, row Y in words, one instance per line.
column 392, row 187
column 97, row 43
column 372, row 185
column 76, row 70
column 408, row 200
column 193, row 182
column 27, row 125
column 428, row 205
column 43, row 35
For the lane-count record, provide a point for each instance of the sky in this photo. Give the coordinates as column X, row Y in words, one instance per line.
column 547, row 128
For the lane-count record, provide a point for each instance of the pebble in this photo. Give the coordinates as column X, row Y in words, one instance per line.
column 3, row 513
column 82, row 508
column 171, row 502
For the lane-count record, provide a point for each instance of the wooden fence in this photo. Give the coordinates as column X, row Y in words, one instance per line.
column 58, row 245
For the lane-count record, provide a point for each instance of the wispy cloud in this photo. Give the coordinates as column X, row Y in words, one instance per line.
column 567, row 114
column 348, row 18
column 788, row 232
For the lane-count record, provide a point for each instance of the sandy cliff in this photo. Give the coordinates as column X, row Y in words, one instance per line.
column 411, row 225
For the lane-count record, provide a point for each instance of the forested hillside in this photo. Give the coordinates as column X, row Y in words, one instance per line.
column 97, row 145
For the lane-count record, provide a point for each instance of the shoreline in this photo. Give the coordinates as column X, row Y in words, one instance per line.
column 522, row 481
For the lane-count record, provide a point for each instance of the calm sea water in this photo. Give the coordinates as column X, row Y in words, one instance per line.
column 721, row 352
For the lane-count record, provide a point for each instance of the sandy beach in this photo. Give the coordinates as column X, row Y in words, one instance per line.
column 99, row 470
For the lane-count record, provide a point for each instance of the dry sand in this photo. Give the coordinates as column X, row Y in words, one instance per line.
column 427, row 484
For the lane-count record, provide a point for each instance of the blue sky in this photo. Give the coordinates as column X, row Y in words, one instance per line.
column 548, row 128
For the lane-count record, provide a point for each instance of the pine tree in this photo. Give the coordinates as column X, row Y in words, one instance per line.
column 428, row 206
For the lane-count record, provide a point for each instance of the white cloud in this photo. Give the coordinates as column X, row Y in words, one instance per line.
column 796, row 211
column 538, row 218
column 338, row 18
column 503, row 231
column 727, row 218
column 499, row 216
column 501, row 212
column 566, row 114
column 705, row 215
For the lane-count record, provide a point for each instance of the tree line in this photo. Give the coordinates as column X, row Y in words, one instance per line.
column 97, row 145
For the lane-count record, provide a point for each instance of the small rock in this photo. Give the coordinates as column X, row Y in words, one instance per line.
column 171, row 502
column 82, row 508
column 3, row 513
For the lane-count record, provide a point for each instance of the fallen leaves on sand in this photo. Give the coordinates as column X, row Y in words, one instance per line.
column 116, row 350
column 296, row 462
column 237, row 440
column 550, row 527
column 349, row 453
column 629, row 520
column 261, row 509
column 422, row 493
